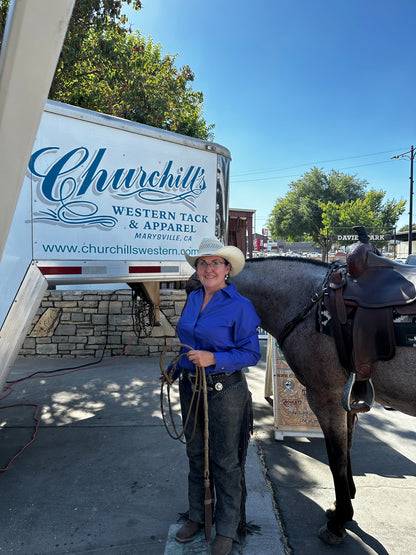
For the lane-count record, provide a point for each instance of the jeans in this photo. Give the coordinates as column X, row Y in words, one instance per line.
column 229, row 415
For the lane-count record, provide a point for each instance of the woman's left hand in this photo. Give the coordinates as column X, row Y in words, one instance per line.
column 202, row 358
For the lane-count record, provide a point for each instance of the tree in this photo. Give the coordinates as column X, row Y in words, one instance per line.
column 89, row 18
column 369, row 212
column 299, row 214
column 105, row 67
column 126, row 75
column 406, row 228
column 86, row 15
column 318, row 201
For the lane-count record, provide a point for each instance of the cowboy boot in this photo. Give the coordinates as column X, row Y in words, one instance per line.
column 221, row 545
column 188, row 531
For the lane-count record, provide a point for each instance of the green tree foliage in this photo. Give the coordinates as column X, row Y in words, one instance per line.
column 318, row 201
column 299, row 213
column 369, row 212
column 87, row 15
column 105, row 67
column 406, row 228
column 90, row 18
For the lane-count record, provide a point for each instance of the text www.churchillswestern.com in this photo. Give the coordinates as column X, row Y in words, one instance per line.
column 114, row 250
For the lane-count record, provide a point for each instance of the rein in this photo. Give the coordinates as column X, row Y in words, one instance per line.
column 200, row 379
column 291, row 325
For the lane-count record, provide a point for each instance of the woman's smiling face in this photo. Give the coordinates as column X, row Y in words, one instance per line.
column 212, row 271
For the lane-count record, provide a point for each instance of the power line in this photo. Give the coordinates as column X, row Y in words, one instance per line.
column 297, row 174
column 312, row 164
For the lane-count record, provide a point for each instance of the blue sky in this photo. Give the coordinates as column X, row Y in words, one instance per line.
column 298, row 83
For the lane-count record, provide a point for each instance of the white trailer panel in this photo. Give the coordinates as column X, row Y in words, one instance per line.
column 114, row 200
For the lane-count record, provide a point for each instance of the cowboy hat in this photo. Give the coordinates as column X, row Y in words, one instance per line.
column 213, row 247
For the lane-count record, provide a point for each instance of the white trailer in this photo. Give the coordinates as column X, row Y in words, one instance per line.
column 105, row 200
column 114, row 200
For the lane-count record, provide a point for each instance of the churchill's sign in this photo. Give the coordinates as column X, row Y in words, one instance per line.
column 106, row 189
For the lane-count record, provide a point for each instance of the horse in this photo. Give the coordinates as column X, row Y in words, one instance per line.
column 281, row 289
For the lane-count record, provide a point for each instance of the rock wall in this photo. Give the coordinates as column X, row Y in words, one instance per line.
column 84, row 323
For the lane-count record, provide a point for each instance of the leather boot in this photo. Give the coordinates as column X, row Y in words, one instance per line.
column 221, row 545
column 188, row 531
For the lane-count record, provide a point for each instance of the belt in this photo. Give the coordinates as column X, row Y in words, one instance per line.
column 216, row 381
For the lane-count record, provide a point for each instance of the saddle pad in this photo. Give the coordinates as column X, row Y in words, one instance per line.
column 404, row 332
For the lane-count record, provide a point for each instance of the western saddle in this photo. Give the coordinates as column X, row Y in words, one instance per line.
column 364, row 297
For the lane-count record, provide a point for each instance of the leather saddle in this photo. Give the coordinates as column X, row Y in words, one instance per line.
column 363, row 297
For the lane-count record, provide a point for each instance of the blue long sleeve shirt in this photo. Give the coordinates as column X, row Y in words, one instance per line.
column 227, row 327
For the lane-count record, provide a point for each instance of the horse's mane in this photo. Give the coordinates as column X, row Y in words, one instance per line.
column 288, row 259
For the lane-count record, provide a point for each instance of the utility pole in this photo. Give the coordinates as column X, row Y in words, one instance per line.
column 409, row 154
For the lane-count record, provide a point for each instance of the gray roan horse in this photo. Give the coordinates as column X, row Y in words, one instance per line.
column 280, row 288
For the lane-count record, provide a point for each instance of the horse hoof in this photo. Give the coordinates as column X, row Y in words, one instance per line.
column 330, row 513
column 329, row 537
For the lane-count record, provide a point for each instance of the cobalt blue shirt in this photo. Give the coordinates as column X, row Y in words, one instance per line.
column 227, row 327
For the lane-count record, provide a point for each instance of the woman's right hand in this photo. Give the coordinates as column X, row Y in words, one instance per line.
column 202, row 358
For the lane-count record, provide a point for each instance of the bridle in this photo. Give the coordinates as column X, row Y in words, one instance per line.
column 291, row 325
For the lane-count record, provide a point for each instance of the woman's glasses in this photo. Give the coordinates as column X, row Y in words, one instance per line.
column 215, row 264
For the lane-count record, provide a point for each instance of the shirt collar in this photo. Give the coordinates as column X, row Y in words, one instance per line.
column 229, row 290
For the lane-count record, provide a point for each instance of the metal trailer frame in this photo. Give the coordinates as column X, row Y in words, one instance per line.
column 32, row 43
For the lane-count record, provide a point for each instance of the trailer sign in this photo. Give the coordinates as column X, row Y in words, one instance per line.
column 100, row 192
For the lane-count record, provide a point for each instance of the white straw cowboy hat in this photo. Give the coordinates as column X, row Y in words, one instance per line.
column 213, row 247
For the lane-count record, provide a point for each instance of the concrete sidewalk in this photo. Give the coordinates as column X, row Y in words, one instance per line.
column 383, row 460
column 102, row 476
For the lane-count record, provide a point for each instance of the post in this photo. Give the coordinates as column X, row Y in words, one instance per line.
column 32, row 42
column 412, row 153
column 409, row 154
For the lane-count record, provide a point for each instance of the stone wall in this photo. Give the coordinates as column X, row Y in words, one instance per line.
column 84, row 323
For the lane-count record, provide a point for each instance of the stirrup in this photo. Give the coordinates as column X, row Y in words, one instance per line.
column 362, row 393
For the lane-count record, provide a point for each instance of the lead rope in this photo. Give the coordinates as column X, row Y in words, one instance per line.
column 200, row 378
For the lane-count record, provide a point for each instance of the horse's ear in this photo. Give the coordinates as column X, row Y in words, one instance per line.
column 192, row 284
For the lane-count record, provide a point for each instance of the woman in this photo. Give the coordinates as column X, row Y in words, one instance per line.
column 221, row 327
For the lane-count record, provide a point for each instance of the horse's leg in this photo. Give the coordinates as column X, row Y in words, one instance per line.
column 338, row 427
column 351, row 420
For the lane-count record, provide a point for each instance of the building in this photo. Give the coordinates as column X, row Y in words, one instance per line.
column 240, row 229
column 402, row 243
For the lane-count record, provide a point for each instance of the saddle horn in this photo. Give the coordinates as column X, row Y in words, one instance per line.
column 362, row 234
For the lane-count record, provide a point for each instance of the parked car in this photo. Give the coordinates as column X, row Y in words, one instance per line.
column 411, row 259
